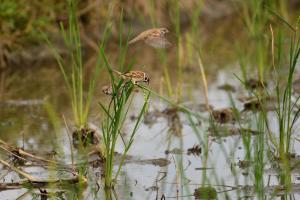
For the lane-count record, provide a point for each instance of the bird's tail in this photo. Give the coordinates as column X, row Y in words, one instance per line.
column 117, row 72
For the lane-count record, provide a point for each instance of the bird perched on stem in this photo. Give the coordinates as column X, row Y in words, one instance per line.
column 155, row 37
column 134, row 76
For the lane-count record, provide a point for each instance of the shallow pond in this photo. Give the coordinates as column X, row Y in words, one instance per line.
column 168, row 159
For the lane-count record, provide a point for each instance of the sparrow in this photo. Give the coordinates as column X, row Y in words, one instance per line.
column 107, row 89
column 155, row 37
column 134, row 76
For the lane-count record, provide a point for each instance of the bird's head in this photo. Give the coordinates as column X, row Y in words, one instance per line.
column 146, row 79
column 164, row 30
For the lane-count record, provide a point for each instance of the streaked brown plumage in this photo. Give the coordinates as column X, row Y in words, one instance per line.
column 107, row 89
column 134, row 76
column 155, row 37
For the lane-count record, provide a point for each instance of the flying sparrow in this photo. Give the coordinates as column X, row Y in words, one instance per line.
column 134, row 76
column 155, row 37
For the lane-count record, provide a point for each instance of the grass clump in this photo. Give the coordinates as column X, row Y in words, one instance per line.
column 74, row 74
column 116, row 112
column 206, row 192
column 287, row 111
column 115, row 116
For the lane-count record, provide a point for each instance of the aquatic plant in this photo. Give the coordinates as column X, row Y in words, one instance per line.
column 116, row 112
column 287, row 110
column 73, row 71
column 277, row 142
column 256, row 16
column 115, row 116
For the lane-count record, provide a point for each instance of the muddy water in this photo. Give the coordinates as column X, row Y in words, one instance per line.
column 159, row 164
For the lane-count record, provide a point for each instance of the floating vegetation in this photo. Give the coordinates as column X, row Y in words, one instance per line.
column 206, row 192
column 254, row 84
column 224, row 115
column 161, row 162
column 262, row 104
column 152, row 188
column 227, row 87
column 225, row 131
column 243, row 164
column 195, row 150
column 85, row 136
column 174, row 151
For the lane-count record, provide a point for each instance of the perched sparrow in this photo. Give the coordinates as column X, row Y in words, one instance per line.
column 134, row 76
column 107, row 89
column 153, row 37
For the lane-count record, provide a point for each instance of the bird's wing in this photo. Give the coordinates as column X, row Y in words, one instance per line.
column 158, row 42
column 138, row 37
column 143, row 35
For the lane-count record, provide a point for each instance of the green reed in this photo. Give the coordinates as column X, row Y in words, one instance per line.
column 116, row 112
column 256, row 17
column 287, row 111
column 115, row 116
column 73, row 70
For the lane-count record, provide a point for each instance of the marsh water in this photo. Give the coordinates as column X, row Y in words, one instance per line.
column 161, row 163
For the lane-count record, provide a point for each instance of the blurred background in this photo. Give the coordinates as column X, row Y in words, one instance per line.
column 221, row 29
column 215, row 26
column 232, row 37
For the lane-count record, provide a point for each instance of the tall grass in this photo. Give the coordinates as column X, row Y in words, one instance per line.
column 256, row 17
column 115, row 116
column 115, row 113
column 73, row 70
column 287, row 112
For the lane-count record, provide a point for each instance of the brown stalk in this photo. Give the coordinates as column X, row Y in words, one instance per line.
column 27, row 176
column 204, row 83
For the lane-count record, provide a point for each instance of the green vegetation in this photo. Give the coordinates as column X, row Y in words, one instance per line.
column 21, row 22
column 73, row 70
column 115, row 116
